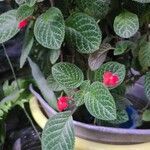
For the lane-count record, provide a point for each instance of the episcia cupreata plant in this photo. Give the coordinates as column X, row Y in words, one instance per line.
column 86, row 49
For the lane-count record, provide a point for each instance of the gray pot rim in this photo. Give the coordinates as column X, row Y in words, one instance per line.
column 112, row 130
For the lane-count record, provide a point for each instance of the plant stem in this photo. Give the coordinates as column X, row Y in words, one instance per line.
column 61, row 56
column 88, row 74
column 18, row 87
column 29, row 118
column 11, row 66
column 52, row 3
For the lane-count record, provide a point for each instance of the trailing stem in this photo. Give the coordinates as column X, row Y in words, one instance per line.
column 18, row 87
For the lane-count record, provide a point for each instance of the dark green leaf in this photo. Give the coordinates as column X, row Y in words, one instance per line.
column 30, row 3
column 126, row 24
column 122, row 117
column 121, row 47
column 120, row 90
column 58, row 133
column 96, row 8
column 24, row 11
column 67, row 75
column 83, row 33
column 8, row 25
column 100, row 102
column 79, row 95
column 54, row 55
column 53, row 85
column 27, row 45
column 43, row 85
column 144, row 55
column 49, row 28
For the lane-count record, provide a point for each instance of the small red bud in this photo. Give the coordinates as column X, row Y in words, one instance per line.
column 62, row 103
column 22, row 23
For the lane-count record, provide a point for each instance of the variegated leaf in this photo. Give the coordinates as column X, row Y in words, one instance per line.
column 126, row 24
column 83, row 33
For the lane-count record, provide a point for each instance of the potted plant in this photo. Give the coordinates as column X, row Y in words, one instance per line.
column 90, row 53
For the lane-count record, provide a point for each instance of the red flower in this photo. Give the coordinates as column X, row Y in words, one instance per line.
column 22, row 23
column 110, row 79
column 62, row 103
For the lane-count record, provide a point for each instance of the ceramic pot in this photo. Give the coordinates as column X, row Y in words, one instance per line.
column 104, row 134
column 80, row 143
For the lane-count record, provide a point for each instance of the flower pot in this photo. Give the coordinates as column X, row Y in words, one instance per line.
column 90, row 137
column 81, row 143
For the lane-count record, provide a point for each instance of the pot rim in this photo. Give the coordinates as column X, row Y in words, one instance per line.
column 113, row 130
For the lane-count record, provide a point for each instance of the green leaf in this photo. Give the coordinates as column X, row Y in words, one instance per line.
column 142, row 1
column 12, row 97
column 53, row 85
column 30, row 3
column 24, row 11
column 19, row 2
column 49, row 28
column 144, row 55
column 119, row 90
column 83, row 33
column 126, row 24
column 85, row 85
column 96, row 8
column 79, row 95
column 10, row 88
column 147, row 85
column 122, row 117
column 122, row 46
column 67, row 75
column 146, row 115
column 121, row 101
column 27, row 45
column 114, row 67
column 43, row 85
column 100, row 102
column 7, row 88
column 97, row 58
column 54, row 55
column 8, row 25
column 58, row 133
column 145, row 17
column 69, row 92
column 11, row 100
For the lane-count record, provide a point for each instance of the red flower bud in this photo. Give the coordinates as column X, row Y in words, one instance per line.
column 62, row 103
column 110, row 79
column 22, row 23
